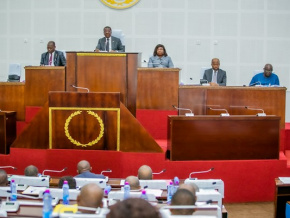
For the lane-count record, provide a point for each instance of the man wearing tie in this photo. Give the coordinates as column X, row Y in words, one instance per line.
column 52, row 57
column 109, row 43
column 215, row 76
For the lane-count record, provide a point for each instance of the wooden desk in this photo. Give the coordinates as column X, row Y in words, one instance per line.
column 234, row 99
column 157, row 88
column 223, row 138
column 7, row 130
column 282, row 195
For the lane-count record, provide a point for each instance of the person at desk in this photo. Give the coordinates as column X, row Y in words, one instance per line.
column 182, row 197
column 84, row 171
column 133, row 182
column 215, row 76
column 52, row 57
column 160, row 58
column 3, row 178
column 266, row 78
column 109, row 43
column 31, row 170
column 145, row 173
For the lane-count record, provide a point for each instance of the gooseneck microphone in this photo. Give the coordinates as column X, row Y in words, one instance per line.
column 77, row 87
column 54, row 171
column 226, row 114
column 162, row 171
column 106, row 171
column 4, row 167
column 257, row 109
column 184, row 109
column 206, row 171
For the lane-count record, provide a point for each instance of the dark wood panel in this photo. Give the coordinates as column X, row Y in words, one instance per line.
column 157, row 88
column 41, row 80
column 234, row 99
column 223, row 138
column 12, row 98
column 7, row 130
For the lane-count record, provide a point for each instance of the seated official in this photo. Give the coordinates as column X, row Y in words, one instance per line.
column 133, row 182
column 52, row 57
column 70, row 181
column 31, row 170
column 160, row 58
column 215, row 76
column 182, row 197
column 3, row 178
column 133, row 208
column 109, row 43
column 266, row 78
column 145, row 173
column 91, row 195
column 84, row 171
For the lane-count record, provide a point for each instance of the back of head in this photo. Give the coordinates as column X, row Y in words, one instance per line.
column 193, row 188
column 70, row 180
column 133, row 182
column 83, row 166
column 3, row 178
column 133, row 208
column 145, row 173
column 31, row 170
column 91, row 195
column 182, row 197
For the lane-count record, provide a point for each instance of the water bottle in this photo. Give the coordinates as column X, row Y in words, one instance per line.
column 107, row 190
column 169, row 192
column 176, row 184
column 144, row 195
column 126, row 190
column 47, row 206
column 65, row 193
column 13, row 196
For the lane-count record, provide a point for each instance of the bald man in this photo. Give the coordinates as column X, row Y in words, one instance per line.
column 182, row 197
column 145, row 173
column 266, row 78
column 193, row 188
column 133, row 182
column 91, row 195
column 215, row 76
column 84, row 171
column 31, row 170
column 3, row 178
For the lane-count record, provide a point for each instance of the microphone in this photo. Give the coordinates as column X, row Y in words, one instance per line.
column 184, row 109
column 162, row 171
column 204, row 82
column 222, row 114
column 76, row 87
column 106, row 171
column 206, row 171
column 255, row 83
column 257, row 109
column 55, row 171
column 4, row 167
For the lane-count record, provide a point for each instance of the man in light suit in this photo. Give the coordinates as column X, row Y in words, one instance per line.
column 52, row 57
column 215, row 76
column 109, row 43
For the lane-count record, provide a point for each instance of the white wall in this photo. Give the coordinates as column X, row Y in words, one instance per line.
column 244, row 34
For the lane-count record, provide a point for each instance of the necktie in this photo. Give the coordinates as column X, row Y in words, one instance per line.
column 107, row 44
column 214, row 78
column 50, row 59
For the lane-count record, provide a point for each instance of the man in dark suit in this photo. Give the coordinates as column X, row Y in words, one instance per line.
column 52, row 57
column 109, row 43
column 215, row 76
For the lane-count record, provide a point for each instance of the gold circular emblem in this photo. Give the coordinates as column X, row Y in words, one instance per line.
column 75, row 142
column 119, row 4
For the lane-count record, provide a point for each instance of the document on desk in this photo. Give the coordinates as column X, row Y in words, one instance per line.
column 285, row 180
column 32, row 190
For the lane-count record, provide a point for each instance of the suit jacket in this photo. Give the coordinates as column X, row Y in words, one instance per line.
column 90, row 175
column 116, row 44
column 59, row 59
column 221, row 76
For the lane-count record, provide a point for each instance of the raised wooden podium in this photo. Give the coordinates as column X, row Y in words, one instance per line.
column 104, row 72
column 223, row 138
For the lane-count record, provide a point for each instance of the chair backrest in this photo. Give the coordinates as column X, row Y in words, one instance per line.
column 119, row 34
column 14, row 72
column 202, row 71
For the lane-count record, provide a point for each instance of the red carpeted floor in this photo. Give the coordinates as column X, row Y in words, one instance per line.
column 245, row 181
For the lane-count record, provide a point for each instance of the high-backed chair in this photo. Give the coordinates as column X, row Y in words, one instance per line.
column 119, row 34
